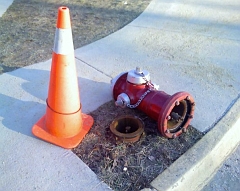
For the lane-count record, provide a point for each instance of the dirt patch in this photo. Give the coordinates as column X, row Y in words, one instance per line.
column 130, row 166
column 28, row 27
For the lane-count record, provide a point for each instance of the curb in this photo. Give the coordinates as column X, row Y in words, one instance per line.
column 194, row 169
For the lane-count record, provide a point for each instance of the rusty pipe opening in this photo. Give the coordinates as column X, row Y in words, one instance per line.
column 127, row 128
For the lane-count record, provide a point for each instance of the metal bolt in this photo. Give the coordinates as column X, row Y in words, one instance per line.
column 168, row 117
column 190, row 116
column 193, row 104
column 167, row 131
column 177, row 103
column 188, row 97
column 184, row 130
column 174, row 136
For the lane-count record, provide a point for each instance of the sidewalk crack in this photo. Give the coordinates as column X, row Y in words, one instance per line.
column 94, row 68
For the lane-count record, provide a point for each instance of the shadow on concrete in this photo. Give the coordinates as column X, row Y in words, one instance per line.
column 25, row 104
column 19, row 115
column 4, row 68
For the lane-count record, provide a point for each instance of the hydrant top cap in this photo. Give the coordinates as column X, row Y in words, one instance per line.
column 138, row 78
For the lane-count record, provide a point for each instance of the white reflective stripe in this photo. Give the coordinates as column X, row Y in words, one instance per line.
column 63, row 43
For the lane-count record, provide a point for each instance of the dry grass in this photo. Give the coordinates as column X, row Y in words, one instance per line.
column 144, row 160
column 28, row 27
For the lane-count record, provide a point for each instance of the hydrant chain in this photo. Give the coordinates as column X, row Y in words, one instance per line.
column 147, row 81
column 151, row 86
column 140, row 100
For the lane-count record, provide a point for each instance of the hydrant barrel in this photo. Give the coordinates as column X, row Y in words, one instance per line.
column 153, row 103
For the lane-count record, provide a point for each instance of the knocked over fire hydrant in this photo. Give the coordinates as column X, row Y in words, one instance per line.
column 135, row 90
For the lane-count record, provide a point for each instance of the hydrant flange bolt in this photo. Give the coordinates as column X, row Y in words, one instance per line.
column 190, row 116
column 167, row 131
column 184, row 130
column 169, row 117
column 177, row 103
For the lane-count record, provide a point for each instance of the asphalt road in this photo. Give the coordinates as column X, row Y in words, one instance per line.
column 228, row 176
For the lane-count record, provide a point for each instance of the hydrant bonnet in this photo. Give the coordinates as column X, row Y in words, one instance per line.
column 138, row 76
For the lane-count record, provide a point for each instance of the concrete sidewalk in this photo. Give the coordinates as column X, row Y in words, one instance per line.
column 187, row 45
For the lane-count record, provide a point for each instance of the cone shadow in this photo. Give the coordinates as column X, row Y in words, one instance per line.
column 19, row 115
column 26, row 103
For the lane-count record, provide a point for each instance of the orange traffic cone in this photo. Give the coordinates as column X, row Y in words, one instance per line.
column 63, row 124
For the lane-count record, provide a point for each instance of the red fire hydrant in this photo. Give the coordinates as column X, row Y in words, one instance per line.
column 135, row 90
